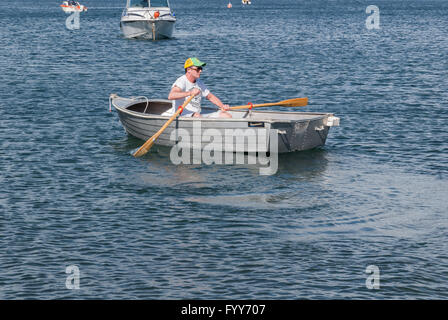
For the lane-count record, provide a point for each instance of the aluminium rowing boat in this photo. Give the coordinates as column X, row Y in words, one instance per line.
column 295, row 131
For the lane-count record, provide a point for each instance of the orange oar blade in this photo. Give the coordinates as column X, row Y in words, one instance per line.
column 144, row 148
column 297, row 102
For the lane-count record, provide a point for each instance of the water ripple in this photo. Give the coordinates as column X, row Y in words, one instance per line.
column 72, row 194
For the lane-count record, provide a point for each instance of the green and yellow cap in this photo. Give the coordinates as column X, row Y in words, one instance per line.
column 193, row 62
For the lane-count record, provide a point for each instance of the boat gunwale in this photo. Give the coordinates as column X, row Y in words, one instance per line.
column 146, row 8
column 319, row 115
column 144, row 19
column 141, row 11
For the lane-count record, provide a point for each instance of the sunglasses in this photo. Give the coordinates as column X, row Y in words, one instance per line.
column 197, row 69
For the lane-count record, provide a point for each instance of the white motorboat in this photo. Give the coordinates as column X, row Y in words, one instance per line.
column 72, row 6
column 147, row 19
column 246, row 2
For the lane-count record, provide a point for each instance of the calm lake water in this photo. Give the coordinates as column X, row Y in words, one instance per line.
column 72, row 194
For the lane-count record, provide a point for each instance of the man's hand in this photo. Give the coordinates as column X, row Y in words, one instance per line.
column 225, row 107
column 194, row 92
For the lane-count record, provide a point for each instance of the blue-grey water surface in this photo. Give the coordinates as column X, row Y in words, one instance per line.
column 72, row 194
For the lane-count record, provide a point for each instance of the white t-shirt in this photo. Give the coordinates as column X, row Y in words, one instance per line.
column 195, row 104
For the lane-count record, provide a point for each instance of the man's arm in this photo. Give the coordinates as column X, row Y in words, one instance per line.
column 215, row 100
column 177, row 93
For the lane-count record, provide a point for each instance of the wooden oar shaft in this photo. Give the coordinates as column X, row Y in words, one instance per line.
column 246, row 106
column 253, row 106
column 149, row 143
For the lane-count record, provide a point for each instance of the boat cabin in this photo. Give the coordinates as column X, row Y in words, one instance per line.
column 147, row 4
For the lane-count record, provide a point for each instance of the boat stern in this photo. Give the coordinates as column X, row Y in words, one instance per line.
column 304, row 134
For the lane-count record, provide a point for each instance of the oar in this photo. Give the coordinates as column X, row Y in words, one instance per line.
column 149, row 143
column 297, row 102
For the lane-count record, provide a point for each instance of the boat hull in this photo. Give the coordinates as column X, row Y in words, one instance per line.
column 147, row 29
column 68, row 9
column 147, row 23
column 252, row 132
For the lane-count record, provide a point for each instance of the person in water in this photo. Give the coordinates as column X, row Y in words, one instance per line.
column 190, row 84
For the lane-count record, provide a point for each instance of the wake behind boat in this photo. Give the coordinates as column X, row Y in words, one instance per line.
column 147, row 19
column 295, row 131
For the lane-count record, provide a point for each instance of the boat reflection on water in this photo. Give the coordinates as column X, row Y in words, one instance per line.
column 306, row 165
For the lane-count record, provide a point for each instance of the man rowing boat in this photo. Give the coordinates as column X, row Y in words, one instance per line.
column 190, row 84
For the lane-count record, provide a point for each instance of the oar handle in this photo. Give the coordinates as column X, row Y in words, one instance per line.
column 149, row 143
column 174, row 116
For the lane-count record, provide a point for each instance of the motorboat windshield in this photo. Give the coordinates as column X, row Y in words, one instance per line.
column 159, row 3
column 147, row 3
